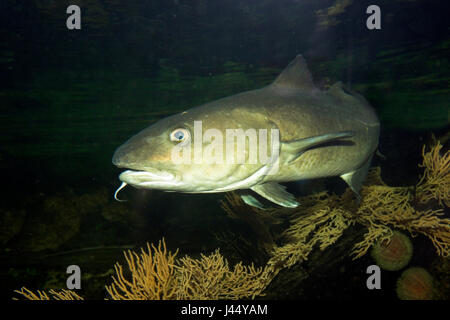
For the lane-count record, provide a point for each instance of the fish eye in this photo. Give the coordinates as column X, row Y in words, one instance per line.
column 179, row 135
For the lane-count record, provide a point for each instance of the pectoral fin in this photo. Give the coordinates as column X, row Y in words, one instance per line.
column 294, row 149
column 276, row 193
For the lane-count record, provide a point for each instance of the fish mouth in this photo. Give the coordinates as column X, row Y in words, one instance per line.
column 149, row 179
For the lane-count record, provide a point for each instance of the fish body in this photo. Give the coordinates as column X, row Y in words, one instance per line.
column 307, row 133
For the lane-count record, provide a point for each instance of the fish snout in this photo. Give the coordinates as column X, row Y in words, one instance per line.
column 116, row 159
column 119, row 158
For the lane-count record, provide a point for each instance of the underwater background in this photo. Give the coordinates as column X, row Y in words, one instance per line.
column 69, row 98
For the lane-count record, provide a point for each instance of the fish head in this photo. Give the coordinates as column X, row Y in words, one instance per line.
column 146, row 156
column 188, row 152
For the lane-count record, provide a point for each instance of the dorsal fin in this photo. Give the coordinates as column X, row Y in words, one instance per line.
column 337, row 90
column 295, row 75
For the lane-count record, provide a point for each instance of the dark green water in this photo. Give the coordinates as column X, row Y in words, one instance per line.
column 69, row 98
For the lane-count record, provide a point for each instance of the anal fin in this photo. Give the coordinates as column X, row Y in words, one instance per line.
column 276, row 193
column 355, row 179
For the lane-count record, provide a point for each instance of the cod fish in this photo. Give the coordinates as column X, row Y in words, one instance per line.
column 313, row 134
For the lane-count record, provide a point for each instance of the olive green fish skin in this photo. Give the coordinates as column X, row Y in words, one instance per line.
column 321, row 133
